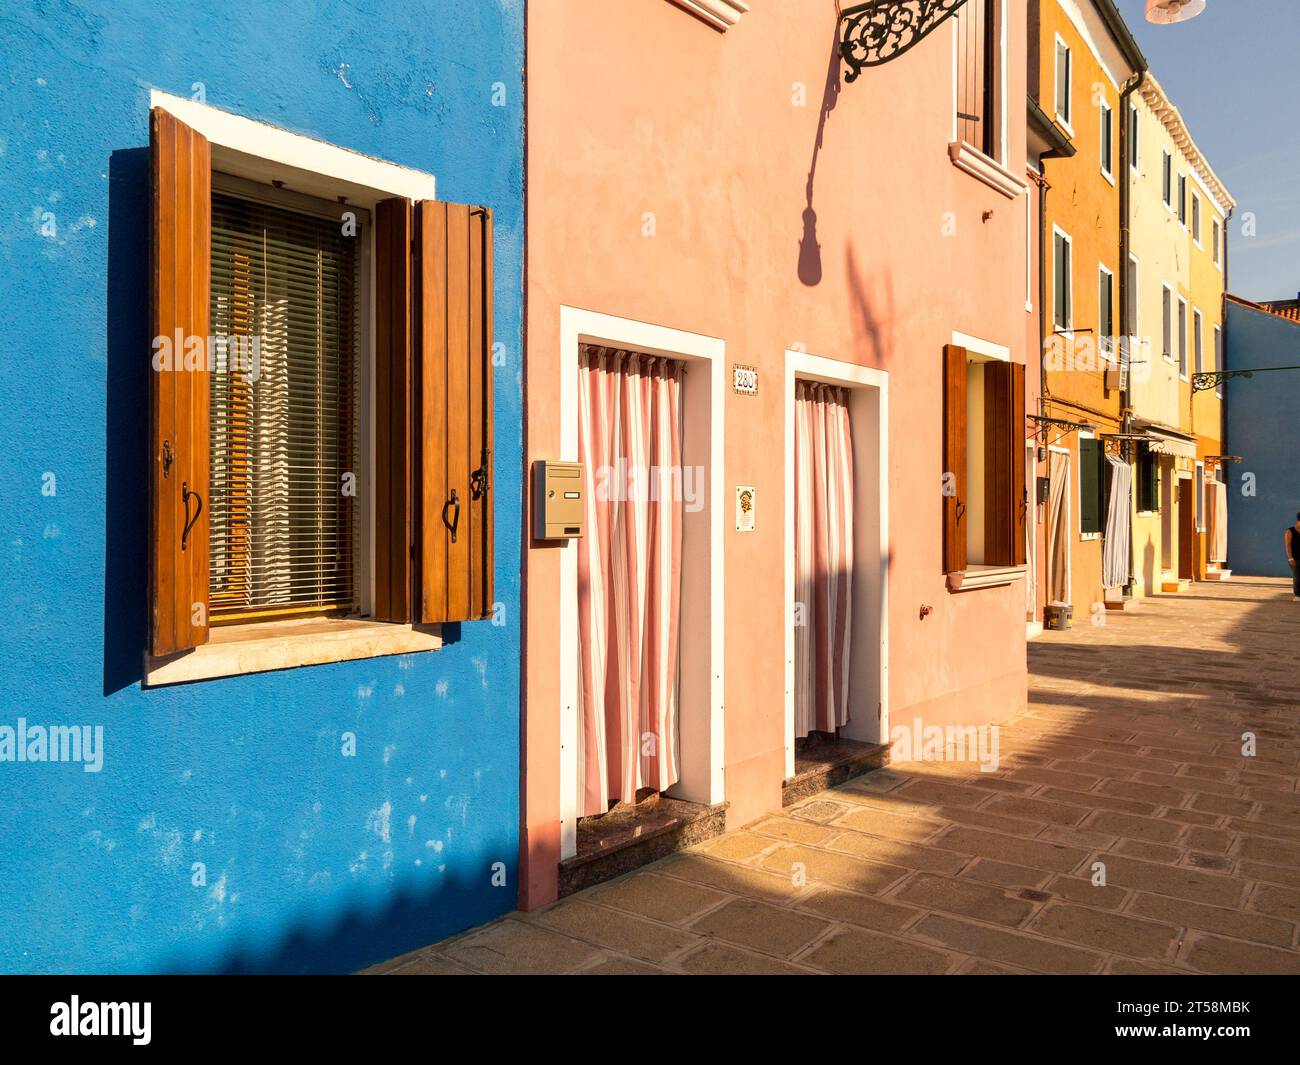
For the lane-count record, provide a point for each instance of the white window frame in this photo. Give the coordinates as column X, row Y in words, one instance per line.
column 1198, row 341
column 1167, row 351
column 1084, row 434
column 1181, row 195
column 1111, row 352
column 1134, row 284
column 1216, row 231
column 1196, row 221
column 1068, row 328
column 1135, row 139
column 1063, row 119
column 1181, row 327
column 1167, row 168
column 1106, row 122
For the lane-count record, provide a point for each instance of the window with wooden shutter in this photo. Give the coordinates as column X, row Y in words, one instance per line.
column 180, row 234
column 954, row 459
column 1004, row 464
column 1091, row 461
column 278, row 431
column 453, row 272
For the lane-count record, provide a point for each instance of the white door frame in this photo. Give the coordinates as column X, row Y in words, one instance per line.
column 701, row 664
column 871, row 457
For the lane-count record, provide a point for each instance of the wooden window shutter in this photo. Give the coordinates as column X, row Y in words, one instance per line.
column 180, row 164
column 453, row 272
column 1005, row 498
column 1090, row 485
column 954, row 459
column 393, row 540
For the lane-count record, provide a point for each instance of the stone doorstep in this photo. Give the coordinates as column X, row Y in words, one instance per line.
column 1175, row 585
column 830, row 765
column 1218, row 574
column 671, row 826
column 1123, row 605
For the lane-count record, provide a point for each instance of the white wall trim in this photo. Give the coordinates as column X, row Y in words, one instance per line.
column 702, row 764
column 363, row 178
column 979, row 346
column 804, row 366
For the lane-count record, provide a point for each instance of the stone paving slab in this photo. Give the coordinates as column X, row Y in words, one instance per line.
column 1162, row 747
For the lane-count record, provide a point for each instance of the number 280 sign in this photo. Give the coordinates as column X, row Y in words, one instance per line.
column 744, row 379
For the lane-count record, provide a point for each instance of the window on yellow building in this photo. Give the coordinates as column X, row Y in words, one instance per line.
column 1198, row 344
column 1107, row 139
column 1063, row 313
column 1182, row 338
column 1063, row 76
column 1134, row 140
column 1182, row 198
column 1106, row 312
column 1167, row 337
column 1168, row 180
column 1196, row 219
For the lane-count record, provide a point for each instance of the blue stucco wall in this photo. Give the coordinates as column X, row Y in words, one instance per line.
column 314, row 861
column 1263, row 427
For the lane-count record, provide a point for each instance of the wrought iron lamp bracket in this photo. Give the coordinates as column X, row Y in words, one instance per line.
column 1203, row 382
column 880, row 30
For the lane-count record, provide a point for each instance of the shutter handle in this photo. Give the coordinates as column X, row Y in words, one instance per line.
column 186, row 493
column 167, row 457
column 454, row 503
column 961, row 509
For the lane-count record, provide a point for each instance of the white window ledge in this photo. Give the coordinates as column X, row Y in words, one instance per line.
column 984, row 577
column 980, row 166
column 238, row 649
column 720, row 14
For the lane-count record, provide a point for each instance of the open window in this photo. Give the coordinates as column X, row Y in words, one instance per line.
column 300, row 471
column 984, row 490
column 978, row 68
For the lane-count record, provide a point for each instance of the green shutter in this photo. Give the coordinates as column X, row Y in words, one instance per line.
column 1090, row 475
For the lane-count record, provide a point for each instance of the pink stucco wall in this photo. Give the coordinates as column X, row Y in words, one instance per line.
column 638, row 107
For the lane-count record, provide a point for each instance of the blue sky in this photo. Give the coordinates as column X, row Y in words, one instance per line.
column 1234, row 73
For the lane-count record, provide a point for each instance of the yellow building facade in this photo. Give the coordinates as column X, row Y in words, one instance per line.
column 1178, row 215
column 1082, row 58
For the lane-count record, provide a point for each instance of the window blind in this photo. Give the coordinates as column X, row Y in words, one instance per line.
column 284, row 423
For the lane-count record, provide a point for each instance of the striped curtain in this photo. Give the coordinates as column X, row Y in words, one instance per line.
column 629, row 574
column 823, row 557
column 1217, row 526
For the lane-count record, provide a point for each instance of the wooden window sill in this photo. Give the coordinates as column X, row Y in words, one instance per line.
column 984, row 577
column 258, row 648
column 979, row 165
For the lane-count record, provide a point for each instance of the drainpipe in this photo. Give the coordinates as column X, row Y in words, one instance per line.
column 1223, row 355
column 1125, row 243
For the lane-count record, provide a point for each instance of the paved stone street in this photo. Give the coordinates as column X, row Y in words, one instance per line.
column 1130, row 754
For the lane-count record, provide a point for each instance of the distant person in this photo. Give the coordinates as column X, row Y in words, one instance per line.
column 1292, row 546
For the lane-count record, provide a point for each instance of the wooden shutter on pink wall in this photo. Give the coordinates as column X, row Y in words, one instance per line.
column 1005, row 499
column 180, row 165
column 453, row 269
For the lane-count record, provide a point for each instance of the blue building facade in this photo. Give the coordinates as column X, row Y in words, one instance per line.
column 230, row 828
column 1262, row 427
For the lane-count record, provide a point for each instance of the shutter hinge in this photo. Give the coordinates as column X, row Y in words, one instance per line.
column 478, row 480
